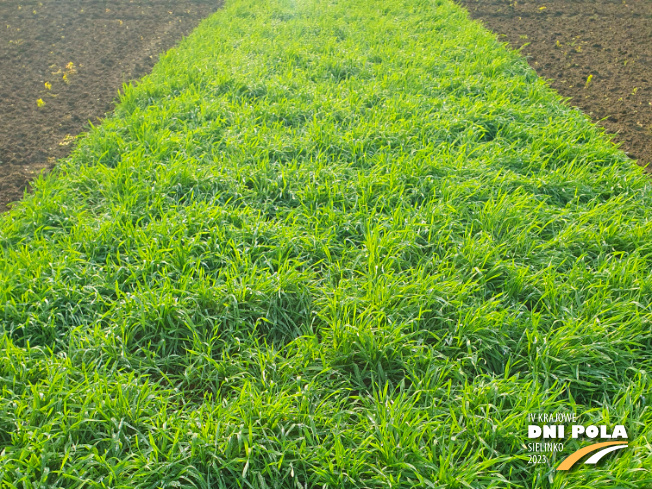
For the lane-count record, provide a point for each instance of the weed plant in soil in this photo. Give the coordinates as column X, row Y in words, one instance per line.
column 327, row 244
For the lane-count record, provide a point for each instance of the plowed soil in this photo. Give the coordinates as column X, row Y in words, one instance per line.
column 596, row 52
column 62, row 64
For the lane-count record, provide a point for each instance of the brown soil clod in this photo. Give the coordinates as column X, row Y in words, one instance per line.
column 598, row 53
column 62, row 64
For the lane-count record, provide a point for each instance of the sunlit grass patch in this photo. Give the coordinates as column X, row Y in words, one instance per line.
column 345, row 244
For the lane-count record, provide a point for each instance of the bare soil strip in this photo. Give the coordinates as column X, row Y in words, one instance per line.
column 62, row 64
column 596, row 52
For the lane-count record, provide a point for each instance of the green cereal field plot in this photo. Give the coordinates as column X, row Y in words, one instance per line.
column 328, row 244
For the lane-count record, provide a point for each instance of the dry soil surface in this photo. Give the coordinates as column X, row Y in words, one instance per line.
column 62, row 63
column 598, row 53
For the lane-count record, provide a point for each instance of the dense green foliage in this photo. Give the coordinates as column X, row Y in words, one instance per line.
column 327, row 244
